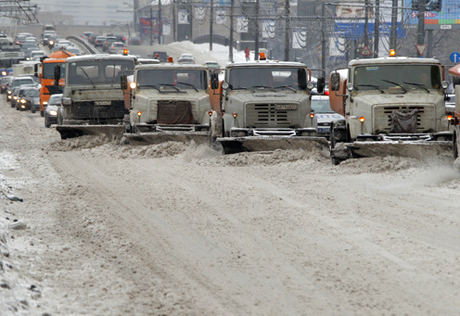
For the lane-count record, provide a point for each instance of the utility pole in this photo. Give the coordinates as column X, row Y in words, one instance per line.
column 174, row 12
column 323, row 40
column 191, row 20
column 230, row 45
column 377, row 28
column 394, row 24
column 256, row 44
column 160, row 24
column 366, row 23
column 421, row 24
column 287, row 30
column 151, row 25
column 211, row 15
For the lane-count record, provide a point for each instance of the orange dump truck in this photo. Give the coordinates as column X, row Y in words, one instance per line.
column 47, row 81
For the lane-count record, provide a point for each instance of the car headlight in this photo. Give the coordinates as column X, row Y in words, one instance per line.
column 53, row 113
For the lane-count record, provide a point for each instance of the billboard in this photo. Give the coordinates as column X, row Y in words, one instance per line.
column 439, row 14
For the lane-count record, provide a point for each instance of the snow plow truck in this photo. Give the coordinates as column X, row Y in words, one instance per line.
column 48, row 83
column 392, row 106
column 455, row 72
column 263, row 106
column 169, row 102
column 93, row 100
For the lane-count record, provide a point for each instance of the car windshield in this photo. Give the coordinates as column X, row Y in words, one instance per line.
column 321, row 105
column 406, row 77
column 20, row 82
column 55, row 100
column 182, row 78
column 32, row 93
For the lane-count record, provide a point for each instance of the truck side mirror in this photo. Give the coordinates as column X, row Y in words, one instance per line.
column 124, row 82
column 335, row 82
column 455, row 80
column 57, row 74
column 320, row 84
column 214, row 81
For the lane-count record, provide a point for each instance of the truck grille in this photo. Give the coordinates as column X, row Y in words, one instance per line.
column 175, row 112
column 90, row 111
column 266, row 115
column 425, row 117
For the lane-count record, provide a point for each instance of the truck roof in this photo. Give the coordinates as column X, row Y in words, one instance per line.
column 99, row 57
column 393, row 60
column 171, row 65
column 267, row 63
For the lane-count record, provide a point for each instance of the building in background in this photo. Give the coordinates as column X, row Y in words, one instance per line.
column 85, row 12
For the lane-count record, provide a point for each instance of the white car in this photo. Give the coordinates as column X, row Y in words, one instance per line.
column 52, row 109
column 37, row 54
column 324, row 115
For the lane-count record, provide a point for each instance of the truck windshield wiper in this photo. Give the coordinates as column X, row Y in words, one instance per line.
column 263, row 87
column 169, row 85
column 84, row 71
column 243, row 88
column 286, row 87
column 150, row 86
column 372, row 86
column 395, row 83
column 188, row 84
column 419, row 85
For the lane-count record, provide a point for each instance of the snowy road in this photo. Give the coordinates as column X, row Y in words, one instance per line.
column 176, row 229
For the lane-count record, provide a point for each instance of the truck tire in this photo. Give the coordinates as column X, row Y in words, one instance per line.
column 42, row 113
column 455, row 142
column 47, row 124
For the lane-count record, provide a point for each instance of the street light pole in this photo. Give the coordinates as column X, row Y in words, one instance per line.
column 160, row 23
column 211, row 15
column 230, row 45
column 151, row 25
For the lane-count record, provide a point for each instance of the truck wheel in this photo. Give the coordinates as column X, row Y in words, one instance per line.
column 47, row 124
column 33, row 109
column 42, row 113
column 455, row 144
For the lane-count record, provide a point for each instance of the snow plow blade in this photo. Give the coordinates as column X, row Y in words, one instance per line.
column 415, row 149
column 153, row 138
column 72, row 131
column 233, row 145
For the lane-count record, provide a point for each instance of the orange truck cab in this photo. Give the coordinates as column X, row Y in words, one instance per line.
column 48, row 84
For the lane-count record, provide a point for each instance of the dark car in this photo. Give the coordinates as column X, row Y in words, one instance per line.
column 92, row 38
column 29, row 99
column 162, row 56
column 135, row 41
column 120, row 38
column 17, row 99
column 4, row 81
column 100, row 40
column 108, row 42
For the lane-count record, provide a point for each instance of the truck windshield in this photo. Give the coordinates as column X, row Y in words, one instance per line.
column 267, row 77
column 182, row 78
column 48, row 70
column 99, row 72
column 405, row 77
